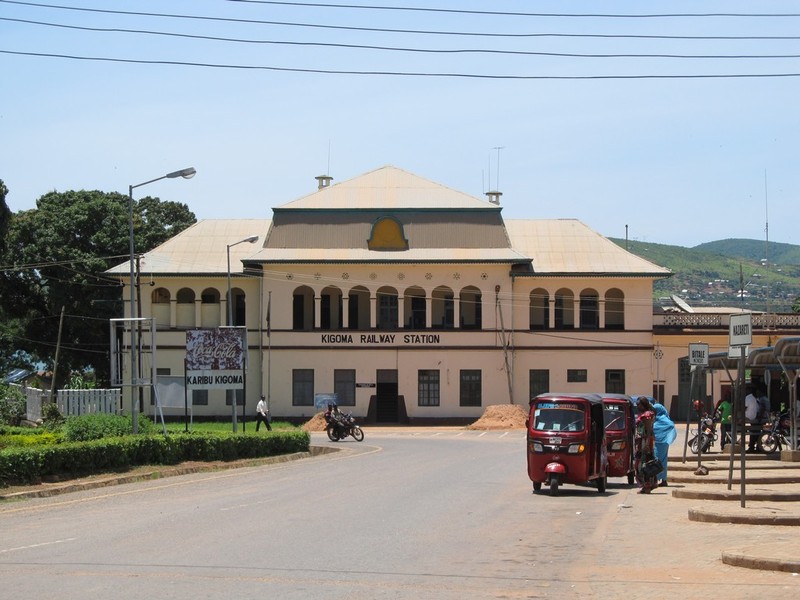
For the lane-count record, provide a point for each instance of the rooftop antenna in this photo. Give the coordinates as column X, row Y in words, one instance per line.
column 765, row 262
column 497, row 177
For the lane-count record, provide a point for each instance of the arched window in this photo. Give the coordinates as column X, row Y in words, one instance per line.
column 564, row 309
column 539, row 304
column 358, row 309
column 331, row 308
column 590, row 309
column 442, row 305
column 615, row 309
column 387, row 308
column 303, row 309
column 470, row 308
column 185, row 309
column 238, row 308
column 209, row 309
column 160, row 306
column 414, row 308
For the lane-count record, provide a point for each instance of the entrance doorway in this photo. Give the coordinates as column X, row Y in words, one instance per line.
column 386, row 396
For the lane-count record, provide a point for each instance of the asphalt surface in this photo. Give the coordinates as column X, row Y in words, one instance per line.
column 769, row 500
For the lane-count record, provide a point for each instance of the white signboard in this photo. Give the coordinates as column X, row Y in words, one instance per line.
column 736, row 351
column 741, row 330
column 698, row 355
column 215, row 358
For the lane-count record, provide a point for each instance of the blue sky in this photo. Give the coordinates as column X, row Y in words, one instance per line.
column 678, row 160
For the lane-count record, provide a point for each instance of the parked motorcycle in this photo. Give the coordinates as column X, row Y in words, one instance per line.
column 343, row 425
column 706, row 437
column 776, row 433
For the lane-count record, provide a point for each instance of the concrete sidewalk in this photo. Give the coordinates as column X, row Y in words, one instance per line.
column 771, row 499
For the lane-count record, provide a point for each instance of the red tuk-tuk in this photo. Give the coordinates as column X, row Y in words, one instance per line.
column 566, row 441
column 620, row 422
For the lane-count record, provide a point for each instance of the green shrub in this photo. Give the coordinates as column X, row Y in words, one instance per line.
column 84, row 428
column 41, row 438
column 12, row 405
column 52, row 418
column 31, row 463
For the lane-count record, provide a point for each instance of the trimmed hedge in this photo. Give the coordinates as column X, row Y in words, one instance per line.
column 28, row 465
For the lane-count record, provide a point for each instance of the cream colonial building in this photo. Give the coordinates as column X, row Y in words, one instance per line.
column 410, row 300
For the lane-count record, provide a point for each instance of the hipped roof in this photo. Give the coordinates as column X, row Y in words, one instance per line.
column 333, row 225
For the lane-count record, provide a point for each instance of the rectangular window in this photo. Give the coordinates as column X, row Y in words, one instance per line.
column 229, row 397
column 302, row 387
column 470, row 390
column 344, row 386
column 428, row 387
column 577, row 376
column 615, row 381
column 539, row 382
column 199, row 397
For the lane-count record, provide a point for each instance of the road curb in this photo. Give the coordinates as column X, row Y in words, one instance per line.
column 730, row 495
column 710, row 516
column 737, row 559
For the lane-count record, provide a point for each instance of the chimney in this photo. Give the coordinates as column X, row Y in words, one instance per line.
column 494, row 197
column 323, row 181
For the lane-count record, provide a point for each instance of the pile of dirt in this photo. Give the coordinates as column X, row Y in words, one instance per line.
column 502, row 416
column 497, row 416
column 315, row 423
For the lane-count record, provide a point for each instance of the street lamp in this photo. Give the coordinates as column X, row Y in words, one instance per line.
column 250, row 240
column 187, row 173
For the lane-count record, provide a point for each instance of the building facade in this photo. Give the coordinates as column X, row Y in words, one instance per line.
column 410, row 300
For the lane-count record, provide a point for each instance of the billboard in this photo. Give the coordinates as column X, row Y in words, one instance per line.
column 216, row 358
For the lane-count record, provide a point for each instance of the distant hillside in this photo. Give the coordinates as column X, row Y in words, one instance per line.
column 713, row 273
column 754, row 250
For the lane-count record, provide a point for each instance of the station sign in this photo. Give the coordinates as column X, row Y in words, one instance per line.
column 698, row 355
column 741, row 330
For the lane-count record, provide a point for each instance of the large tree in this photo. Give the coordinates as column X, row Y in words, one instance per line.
column 8, row 327
column 60, row 251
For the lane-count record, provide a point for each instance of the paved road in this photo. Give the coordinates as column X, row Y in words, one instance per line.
column 427, row 514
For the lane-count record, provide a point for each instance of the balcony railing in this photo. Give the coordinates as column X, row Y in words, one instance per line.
column 711, row 320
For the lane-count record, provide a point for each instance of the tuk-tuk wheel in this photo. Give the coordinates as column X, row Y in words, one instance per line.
column 554, row 482
column 631, row 478
column 601, row 484
column 537, row 485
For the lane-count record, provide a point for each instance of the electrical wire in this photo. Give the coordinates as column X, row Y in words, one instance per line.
column 450, row 75
column 403, row 49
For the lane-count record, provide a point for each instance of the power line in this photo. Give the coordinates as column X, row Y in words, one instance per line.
column 401, row 49
column 400, row 73
column 404, row 31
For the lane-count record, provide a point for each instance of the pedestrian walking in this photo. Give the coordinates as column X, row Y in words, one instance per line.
column 725, row 414
column 262, row 414
column 644, row 445
column 664, row 433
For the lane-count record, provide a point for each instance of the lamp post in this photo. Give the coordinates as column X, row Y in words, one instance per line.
column 250, row 240
column 187, row 173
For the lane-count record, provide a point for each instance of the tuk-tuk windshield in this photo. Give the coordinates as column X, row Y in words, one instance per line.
column 559, row 417
column 614, row 418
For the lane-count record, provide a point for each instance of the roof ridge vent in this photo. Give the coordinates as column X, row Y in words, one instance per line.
column 323, row 181
column 494, row 197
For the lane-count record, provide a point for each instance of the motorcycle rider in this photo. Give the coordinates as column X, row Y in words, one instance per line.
column 333, row 416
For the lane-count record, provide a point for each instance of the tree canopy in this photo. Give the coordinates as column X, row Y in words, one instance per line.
column 56, row 255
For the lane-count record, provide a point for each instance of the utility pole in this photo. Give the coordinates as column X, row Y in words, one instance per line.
column 55, row 361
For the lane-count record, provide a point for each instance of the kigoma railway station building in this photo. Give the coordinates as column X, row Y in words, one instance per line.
column 413, row 302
